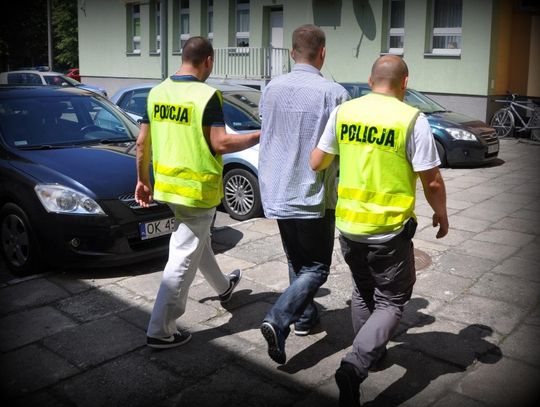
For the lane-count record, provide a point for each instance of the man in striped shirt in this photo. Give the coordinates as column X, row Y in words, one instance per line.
column 294, row 109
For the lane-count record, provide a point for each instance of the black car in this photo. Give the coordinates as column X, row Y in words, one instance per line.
column 460, row 139
column 67, row 176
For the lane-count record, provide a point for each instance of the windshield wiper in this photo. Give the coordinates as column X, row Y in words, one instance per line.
column 105, row 141
column 43, row 147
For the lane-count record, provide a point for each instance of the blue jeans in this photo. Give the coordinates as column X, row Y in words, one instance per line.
column 308, row 244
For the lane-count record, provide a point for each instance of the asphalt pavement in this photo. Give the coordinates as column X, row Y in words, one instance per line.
column 470, row 335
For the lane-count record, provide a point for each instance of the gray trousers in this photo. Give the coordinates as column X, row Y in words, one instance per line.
column 383, row 276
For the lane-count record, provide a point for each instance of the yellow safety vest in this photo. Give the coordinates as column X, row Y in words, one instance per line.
column 185, row 171
column 377, row 186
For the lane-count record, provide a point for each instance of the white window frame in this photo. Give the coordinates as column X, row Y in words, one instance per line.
column 158, row 26
column 394, row 31
column 210, row 19
column 445, row 32
column 184, row 36
column 242, row 35
column 136, row 39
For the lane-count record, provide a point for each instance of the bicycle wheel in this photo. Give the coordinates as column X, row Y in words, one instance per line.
column 503, row 122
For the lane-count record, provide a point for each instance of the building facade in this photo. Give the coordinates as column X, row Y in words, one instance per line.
column 463, row 53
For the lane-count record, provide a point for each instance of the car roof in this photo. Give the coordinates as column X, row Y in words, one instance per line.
column 40, row 90
column 37, row 72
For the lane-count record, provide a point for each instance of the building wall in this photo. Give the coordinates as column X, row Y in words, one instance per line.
column 354, row 30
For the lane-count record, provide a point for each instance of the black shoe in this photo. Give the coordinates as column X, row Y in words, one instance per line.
column 234, row 279
column 276, row 346
column 379, row 363
column 179, row 338
column 348, row 383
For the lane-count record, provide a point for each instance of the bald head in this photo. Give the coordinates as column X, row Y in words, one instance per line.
column 389, row 71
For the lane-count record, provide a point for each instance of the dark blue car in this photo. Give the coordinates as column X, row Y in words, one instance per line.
column 67, row 176
column 460, row 139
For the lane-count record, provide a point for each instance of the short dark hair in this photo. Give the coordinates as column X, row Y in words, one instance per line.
column 196, row 50
column 307, row 40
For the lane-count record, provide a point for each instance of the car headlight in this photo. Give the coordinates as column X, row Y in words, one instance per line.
column 460, row 134
column 59, row 199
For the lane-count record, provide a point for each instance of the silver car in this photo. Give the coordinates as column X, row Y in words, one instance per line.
column 242, row 198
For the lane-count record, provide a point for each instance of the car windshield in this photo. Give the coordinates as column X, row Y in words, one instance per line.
column 241, row 109
column 62, row 121
column 422, row 102
column 60, row 80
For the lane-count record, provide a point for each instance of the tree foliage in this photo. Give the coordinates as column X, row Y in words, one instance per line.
column 23, row 34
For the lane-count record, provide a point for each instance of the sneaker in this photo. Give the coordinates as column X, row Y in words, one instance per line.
column 348, row 383
column 234, row 279
column 177, row 339
column 276, row 348
column 304, row 329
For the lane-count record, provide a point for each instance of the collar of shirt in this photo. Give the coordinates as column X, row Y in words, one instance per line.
column 307, row 68
column 184, row 78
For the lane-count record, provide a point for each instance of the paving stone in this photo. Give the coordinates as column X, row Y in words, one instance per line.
column 479, row 212
column 97, row 304
column 534, row 317
column 523, row 344
column 456, row 343
column 426, row 245
column 467, row 223
column 31, row 368
column 505, row 383
column 454, row 399
column 232, row 237
column 77, row 282
column 38, row 398
column 531, row 252
column 453, row 238
column 233, row 386
column 518, row 225
column 146, row 285
column 132, row 380
column 259, row 251
column 89, row 344
column 461, row 264
column 266, row 226
column 461, row 195
column 508, row 289
column 443, row 286
column 272, row 274
column 505, row 237
column 32, row 293
column 229, row 263
column 487, row 250
column 25, row 327
column 409, row 379
column 500, row 316
column 457, row 204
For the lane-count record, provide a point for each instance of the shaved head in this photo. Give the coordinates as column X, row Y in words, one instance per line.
column 389, row 71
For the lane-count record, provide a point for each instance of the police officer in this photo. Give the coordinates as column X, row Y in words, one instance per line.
column 384, row 145
column 184, row 135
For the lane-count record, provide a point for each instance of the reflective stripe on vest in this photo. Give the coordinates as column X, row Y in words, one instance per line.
column 377, row 185
column 185, row 171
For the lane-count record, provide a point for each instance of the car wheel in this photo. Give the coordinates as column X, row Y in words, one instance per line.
column 18, row 243
column 442, row 154
column 242, row 199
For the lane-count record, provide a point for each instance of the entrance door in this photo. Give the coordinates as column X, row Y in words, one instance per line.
column 276, row 41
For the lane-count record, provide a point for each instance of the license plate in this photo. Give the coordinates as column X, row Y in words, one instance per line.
column 155, row 228
column 493, row 148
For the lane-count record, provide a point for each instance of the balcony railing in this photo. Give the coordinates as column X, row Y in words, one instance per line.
column 250, row 62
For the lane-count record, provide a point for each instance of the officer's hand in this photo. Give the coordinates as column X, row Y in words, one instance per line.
column 143, row 194
column 442, row 222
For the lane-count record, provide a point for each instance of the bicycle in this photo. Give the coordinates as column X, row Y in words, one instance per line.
column 504, row 119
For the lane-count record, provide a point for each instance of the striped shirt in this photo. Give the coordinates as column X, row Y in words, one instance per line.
column 294, row 109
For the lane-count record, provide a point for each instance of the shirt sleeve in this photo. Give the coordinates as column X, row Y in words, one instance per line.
column 145, row 118
column 328, row 141
column 421, row 149
column 213, row 113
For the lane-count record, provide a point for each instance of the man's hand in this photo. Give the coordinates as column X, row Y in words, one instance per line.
column 442, row 223
column 143, row 194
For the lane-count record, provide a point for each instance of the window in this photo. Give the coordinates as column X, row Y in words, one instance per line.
column 242, row 23
column 135, row 101
column 396, row 32
column 210, row 21
column 446, row 36
column 136, row 29
column 157, row 16
column 184, row 22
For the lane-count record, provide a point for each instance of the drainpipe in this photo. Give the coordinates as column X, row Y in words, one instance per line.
column 49, row 34
column 164, row 51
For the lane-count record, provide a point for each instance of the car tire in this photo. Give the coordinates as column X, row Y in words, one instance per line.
column 18, row 243
column 442, row 154
column 242, row 198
